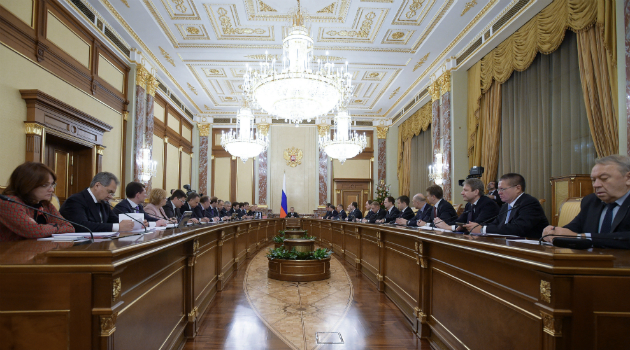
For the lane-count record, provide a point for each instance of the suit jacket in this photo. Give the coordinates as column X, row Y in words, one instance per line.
column 587, row 221
column 293, row 215
column 377, row 216
column 170, row 212
column 125, row 207
column 342, row 215
column 527, row 219
column 445, row 212
column 331, row 214
column 197, row 212
column 369, row 215
column 389, row 217
column 485, row 209
column 497, row 198
column 422, row 215
column 406, row 214
column 80, row 208
column 211, row 212
column 355, row 214
column 155, row 211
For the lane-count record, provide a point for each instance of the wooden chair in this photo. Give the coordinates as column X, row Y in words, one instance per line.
column 569, row 209
column 459, row 209
column 542, row 201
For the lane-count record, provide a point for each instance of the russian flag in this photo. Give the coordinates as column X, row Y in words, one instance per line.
column 283, row 205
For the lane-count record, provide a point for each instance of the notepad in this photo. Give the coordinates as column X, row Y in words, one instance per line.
column 85, row 234
column 138, row 216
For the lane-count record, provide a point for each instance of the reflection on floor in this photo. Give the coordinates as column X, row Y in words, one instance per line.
column 295, row 311
column 372, row 321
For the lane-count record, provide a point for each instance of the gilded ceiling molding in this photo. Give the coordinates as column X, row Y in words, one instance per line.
column 421, row 62
column 328, row 9
column 263, row 128
column 179, row 5
column 167, row 56
column 254, row 13
column 226, row 25
column 323, row 129
column 394, row 93
column 469, row 5
column 409, row 17
column 183, row 15
column 381, row 132
column 434, row 21
column 415, row 6
column 192, row 88
column 33, row 129
column 472, row 23
column 363, row 32
column 204, row 130
column 265, row 8
column 125, row 2
column 152, row 85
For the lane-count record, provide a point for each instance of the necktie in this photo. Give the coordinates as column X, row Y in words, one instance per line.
column 435, row 212
column 608, row 218
column 470, row 213
column 507, row 216
column 136, row 209
column 100, row 211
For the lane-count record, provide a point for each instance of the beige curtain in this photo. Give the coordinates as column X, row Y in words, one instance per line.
column 490, row 112
column 414, row 125
column 600, row 105
column 545, row 130
column 422, row 157
column 475, row 127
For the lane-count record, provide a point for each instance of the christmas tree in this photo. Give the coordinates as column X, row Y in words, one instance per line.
column 382, row 192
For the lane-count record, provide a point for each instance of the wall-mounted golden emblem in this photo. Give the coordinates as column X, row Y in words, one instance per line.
column 293, row 156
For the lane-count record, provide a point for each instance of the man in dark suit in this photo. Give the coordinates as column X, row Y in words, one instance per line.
column 406, row 213
column 90, row 207
column 355, row 213
column 341, row 214
column 479, row 208
column 604, row 215
column 441, row 208
column 212, row 212
column 330, row 212
column 521, row 214
column 200, row 210
column 174, row 203
column 378, row 212
column 493, row 193
column 368, row 211
column 422, row 216
column 136, row 194
column 226, row 213
column 392, row 211
column 292, row 213
column 192, row 202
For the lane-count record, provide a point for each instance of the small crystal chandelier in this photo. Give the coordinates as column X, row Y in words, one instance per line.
column 148, row 167
column 298, row 88
column 246, row 142
column 436, row 171
column 345, row 144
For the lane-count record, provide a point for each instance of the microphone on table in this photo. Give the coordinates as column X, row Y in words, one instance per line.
column 131, row 217
column 574, row 242
column 5, row 198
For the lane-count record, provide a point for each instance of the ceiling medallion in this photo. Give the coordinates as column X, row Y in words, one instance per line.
column 394, row 93
column 345, row 144
column 298, row 88
column 421, row 62
column 192, row 30
column 398, row 35
column 293, row 156
column 245, row 142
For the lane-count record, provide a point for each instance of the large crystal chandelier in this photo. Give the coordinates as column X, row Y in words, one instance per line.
column 148, row 167
column 345, row 143
column 298, row 88
column 245, row 142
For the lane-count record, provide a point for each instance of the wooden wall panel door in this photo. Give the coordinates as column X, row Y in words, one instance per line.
column 73, row 163
column 351, row 190
column 61, row 162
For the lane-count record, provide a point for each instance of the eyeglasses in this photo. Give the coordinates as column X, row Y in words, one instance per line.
column 505, row 189
column 49, row 186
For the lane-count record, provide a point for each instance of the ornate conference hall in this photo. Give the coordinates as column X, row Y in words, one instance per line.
column 314, row 174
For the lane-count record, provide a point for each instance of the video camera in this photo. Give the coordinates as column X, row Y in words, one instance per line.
column 475, row 172
column 189, row 190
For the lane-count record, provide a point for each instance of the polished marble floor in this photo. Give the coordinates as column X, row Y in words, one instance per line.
column 295, row 311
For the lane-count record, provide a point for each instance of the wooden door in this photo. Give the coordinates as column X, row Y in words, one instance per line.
column 352, row 190
column 71, row 162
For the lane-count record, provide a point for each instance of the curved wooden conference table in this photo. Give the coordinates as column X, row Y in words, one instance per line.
column 460, row 292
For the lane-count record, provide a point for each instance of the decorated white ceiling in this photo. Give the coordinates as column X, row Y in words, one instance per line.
column 200, row 47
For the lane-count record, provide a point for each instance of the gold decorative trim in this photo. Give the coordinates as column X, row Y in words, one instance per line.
column 33, row 129
column 220, row 243
column 469, row 5
column 204, row 130
column 445, row 82
column 415, row 5
column 379, row 277
column 192, row 260
column 545, row 291
column 394, row 93
column 434, row 90
column 220, row 277
column 116, row 289
column 192, row 88
column 152, row 85
column 328, row 9
column 167, row 56
column 108, row 324
column 551, row 326
column 421, row 62
column 265, row 8
column 195, row 246
column 100, row 150
column 141, row 75
column 357, row 261
column 165, row 139
column 293, row 156
column 381, row 132
column 192, row 315
column 125, row 115
column 323, row 129
column 263, row 128
column 126, row 3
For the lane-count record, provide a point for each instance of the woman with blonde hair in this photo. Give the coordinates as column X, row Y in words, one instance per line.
column 157, row 199
column 31, row 184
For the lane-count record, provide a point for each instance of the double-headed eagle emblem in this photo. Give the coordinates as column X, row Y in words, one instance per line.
column 293, row 156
